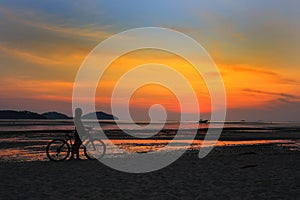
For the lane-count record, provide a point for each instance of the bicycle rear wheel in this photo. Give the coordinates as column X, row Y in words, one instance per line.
column 94, row 149
column 58, row 150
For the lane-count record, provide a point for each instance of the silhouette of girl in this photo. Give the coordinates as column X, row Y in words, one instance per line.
column 79, row 127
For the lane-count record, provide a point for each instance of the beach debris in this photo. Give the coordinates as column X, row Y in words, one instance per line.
column 248, row 166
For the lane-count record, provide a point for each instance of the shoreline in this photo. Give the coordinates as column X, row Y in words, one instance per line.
column 36, row 153
column 31, row 145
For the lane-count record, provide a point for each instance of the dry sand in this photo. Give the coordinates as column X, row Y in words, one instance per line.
column 248, row 172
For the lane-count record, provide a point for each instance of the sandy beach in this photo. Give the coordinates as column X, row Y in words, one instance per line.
column 247, row 163
column 247, row 172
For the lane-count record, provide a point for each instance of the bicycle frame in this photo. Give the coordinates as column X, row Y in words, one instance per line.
column 84, row 140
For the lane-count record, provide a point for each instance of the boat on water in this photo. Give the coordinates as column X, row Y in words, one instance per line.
column 201, row 121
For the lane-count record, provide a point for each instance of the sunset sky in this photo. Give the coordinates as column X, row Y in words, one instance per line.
column 255, row 44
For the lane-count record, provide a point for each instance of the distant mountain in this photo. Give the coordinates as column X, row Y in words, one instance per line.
column 55, row 115
column 100, row 115
column 11, row 114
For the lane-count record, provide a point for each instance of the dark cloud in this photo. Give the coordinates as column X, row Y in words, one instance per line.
column 280, row 109
column 284, row 95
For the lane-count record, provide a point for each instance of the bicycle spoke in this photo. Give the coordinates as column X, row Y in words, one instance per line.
column 58, row 150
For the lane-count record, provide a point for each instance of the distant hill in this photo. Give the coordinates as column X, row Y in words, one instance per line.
column 100, row 115
column 11, row 114
column 55, row 115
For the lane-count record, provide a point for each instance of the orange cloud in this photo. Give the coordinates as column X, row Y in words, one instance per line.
column 36, row 89
column 28, row 56
column 248, row 86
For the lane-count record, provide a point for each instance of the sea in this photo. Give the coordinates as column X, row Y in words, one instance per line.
column 26, row 140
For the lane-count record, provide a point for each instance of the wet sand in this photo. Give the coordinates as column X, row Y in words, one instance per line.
column 21, row 146
column 237, row 172
column 262, row 171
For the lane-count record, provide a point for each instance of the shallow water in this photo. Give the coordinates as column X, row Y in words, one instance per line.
column 17, row 143
column 35, row 150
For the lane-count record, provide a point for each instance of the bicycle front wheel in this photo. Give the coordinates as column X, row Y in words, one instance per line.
column 94, row 149
column 58, row 150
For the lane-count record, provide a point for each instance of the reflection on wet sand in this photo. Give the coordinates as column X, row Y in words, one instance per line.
column 34, row 150
column 140, row 146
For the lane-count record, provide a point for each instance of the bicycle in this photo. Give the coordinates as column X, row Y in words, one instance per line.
column 60, row 149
